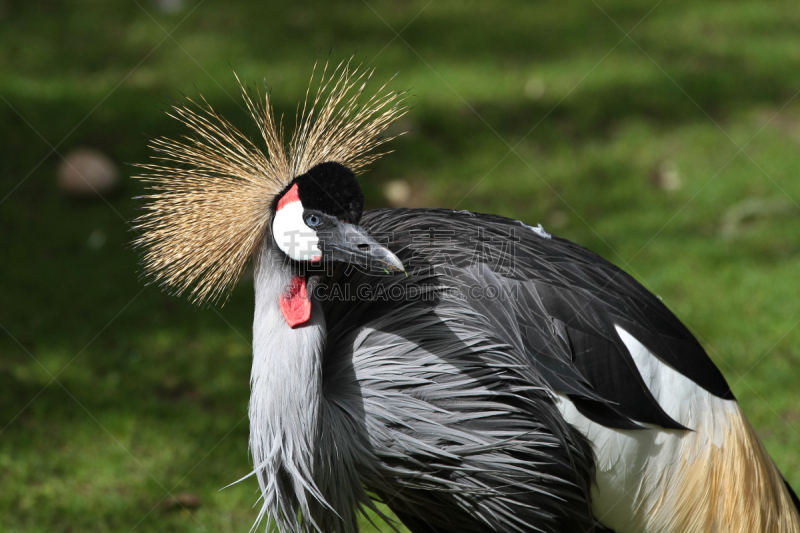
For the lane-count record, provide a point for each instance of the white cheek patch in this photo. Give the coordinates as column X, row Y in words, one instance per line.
column 291, row 234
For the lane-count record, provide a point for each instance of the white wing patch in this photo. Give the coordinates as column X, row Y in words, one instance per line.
column 680, row 397
column 297, row 240
column 636, row 469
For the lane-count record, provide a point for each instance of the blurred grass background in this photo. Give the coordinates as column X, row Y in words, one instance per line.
column 673, row 152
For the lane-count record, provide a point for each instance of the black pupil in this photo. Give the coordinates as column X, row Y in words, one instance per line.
column 312, row 220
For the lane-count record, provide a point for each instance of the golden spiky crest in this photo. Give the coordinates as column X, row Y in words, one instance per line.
column 214, row 190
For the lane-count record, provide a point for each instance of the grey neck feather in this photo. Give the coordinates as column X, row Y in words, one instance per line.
column 286, row 385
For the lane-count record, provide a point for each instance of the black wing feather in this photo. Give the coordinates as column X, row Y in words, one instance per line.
column 567, row 303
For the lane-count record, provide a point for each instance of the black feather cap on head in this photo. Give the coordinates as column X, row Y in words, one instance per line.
column 333, row 189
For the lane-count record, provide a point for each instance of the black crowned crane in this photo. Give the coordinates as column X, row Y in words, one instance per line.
column 509, row 381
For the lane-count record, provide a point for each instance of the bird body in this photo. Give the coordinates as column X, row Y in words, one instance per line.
column 520, row 351
column 509, row 381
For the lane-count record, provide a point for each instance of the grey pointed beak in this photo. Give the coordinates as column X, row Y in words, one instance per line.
column 348, row 243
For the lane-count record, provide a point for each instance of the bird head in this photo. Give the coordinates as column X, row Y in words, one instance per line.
column 316, row 219
column 219, row 197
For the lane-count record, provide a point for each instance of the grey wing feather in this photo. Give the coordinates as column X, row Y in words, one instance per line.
column 464, row 435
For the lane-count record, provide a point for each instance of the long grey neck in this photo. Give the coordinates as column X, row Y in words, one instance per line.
column 286, row 385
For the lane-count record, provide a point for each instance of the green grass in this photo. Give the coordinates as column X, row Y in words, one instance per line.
column 152, row 393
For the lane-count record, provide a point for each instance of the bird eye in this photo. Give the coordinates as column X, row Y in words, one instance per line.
column 313, row 221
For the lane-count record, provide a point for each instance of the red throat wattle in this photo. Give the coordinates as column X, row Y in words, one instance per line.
column 295, row 303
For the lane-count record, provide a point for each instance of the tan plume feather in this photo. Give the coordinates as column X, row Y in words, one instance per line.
column 213, row 190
